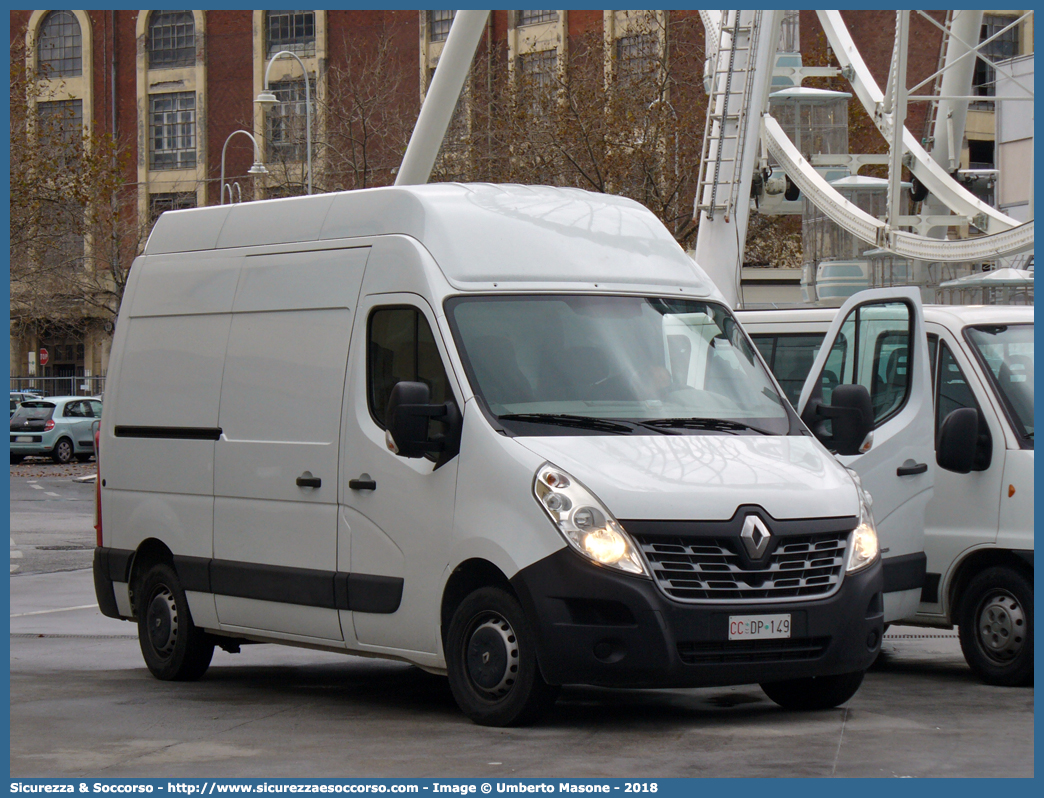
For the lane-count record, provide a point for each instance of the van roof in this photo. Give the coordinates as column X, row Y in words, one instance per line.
column 478, row 233
column 952, row 316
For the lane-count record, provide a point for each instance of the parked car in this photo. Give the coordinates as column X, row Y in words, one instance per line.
column 61, row 427
column 979, row 523
column 17, row 397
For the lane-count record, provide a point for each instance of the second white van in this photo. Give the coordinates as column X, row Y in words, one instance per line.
column 979, row 524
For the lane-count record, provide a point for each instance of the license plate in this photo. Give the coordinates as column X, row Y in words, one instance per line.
column 759, row 627
column 24, row 439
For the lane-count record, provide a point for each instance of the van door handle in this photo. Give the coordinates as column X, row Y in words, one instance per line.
column 309, row 481
column 362, row 484
column 909, row 468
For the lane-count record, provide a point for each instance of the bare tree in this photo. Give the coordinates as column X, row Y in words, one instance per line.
column 626, row 122
column 71, row 235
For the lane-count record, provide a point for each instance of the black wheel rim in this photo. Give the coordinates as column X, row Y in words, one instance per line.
column 491, row 656
column 161, row 622
column 1000, row 626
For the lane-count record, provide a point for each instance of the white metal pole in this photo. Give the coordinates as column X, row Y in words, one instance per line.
column 897, row 83
column 441, row 98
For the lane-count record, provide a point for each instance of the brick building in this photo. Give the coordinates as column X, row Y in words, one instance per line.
column 171, row 87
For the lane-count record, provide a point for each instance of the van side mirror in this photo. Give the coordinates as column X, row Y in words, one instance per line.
column 955, row 450
column 852, row 417
column 407, row 415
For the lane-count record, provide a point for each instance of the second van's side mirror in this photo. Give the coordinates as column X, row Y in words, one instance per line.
column 407, row 415
column 958, row 440
column 852, row 417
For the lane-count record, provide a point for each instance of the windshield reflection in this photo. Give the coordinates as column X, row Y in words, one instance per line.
column 652, row 365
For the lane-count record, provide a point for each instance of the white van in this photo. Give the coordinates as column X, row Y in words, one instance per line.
column 979, row 523
column 509, row 434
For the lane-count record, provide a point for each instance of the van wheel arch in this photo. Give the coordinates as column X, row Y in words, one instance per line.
column 466, row 578
column 974, row 564
column 149, row 553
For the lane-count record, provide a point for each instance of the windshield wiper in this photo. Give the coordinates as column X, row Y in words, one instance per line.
column 566, row 420
column 705, row 423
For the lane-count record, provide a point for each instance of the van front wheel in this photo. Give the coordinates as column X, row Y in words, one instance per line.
column 995, row 624
column 173, row 647
column 491, row 661
column 815, row 692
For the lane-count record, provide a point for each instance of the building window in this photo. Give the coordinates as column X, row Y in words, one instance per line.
column 439, row 24
column 61, row 124
column 790, row 32
column 172, row 39
column 285, row 129
column 290, row 30
column 536, row 77
column 160, row 203
column 536, row 17
column 984, row 81
column 60, row 49
column 636, row 57
column 172, row 130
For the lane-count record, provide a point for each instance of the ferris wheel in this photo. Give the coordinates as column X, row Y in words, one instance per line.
column 741, row 58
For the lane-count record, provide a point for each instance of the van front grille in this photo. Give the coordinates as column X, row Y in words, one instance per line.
column 704, row 568
column 741, row 652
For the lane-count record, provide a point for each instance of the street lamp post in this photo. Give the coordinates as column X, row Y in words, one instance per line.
column 267, row 100
column 258, row 168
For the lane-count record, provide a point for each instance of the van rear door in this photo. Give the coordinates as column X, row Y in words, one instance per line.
column 878, row 340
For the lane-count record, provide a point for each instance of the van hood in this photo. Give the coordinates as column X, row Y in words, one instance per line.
column 704, row 477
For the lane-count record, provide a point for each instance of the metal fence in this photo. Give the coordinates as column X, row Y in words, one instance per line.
column 60, row 386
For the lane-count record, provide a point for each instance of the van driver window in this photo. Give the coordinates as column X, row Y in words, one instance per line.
column 401, row 347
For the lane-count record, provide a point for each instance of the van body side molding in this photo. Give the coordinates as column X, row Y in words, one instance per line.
column 905, row 572
column 175, row 433
column 306, row 587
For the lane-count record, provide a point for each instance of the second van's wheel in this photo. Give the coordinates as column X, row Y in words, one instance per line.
column 491, row 661
column 815, row 692
column 173, row 647
column 995, row 623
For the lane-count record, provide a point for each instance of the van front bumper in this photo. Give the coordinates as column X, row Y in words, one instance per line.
column 597, row 626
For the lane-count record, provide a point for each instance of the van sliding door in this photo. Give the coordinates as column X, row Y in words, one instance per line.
column 275, row 465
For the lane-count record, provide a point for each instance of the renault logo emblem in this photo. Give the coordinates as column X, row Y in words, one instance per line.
column 755, row 536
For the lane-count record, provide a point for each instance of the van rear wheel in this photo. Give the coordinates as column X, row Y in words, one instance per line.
column 815, row 692
column 491, row 661
column 173, row 647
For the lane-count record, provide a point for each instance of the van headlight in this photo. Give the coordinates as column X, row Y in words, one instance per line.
column 585, row 522
column 863, row 549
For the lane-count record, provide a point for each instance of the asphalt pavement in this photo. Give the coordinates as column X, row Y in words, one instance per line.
column 83, row 703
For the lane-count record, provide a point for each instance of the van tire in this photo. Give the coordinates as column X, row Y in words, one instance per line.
column 62, row 452
column 173, row 647
column 995, row 625
column 490, row 628
column 815, row 692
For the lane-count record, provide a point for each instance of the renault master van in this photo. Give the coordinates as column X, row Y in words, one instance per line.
column 979, row 524
column 537, row 449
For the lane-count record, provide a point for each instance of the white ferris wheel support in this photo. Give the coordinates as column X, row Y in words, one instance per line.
column 1004, row 236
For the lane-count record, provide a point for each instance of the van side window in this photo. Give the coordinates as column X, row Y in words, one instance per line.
column 401, row 347
column 790, row 358
column 951, row 387
column 883, row 329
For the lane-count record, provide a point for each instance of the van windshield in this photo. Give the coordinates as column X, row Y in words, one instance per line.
column 1007, row 352
column 614, row 364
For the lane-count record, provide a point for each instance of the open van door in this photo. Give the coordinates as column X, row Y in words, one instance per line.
column 878, row 341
